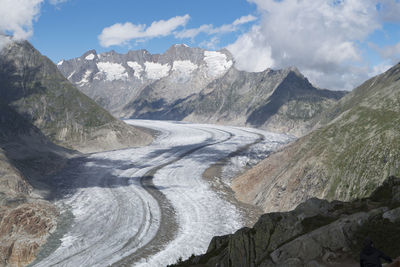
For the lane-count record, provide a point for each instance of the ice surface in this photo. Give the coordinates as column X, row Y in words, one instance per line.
column 184, row 67
column 156, row 71
column 136, row 67
column 85, row 78
column 113, row 71
column 217, row 63
column 114, row 216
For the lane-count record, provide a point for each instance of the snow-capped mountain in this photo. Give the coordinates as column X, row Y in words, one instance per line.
column 114, row 80
column 197, row 85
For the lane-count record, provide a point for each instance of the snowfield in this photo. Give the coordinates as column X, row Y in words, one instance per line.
column 149, row 206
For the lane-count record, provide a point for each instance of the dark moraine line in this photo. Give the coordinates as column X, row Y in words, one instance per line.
column 168, row 225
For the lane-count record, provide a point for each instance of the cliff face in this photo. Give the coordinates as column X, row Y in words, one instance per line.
column 316, row 233
column 355, row 148
column 197, row 85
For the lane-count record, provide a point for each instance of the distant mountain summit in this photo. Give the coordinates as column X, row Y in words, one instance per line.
column 197, row 85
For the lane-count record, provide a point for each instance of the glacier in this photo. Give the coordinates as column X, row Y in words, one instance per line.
column 149, row 206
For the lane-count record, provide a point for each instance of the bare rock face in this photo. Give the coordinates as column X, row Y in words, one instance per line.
column 23, row 230
column 353, row 151
column 197, row 85
column 316, row 233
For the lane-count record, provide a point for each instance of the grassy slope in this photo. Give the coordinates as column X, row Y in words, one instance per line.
column 344, row 159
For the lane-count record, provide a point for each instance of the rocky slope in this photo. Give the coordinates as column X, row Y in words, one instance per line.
column 344, row 159
column 32, row 85
column 197, row 85
column 42, row 116
column 27, row 157
column 316, row 233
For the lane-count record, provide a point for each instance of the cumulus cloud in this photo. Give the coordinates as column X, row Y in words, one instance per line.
column 249, row 52
column 119, row 34
column 17, row 17
column 320, row 37
column 211, row 30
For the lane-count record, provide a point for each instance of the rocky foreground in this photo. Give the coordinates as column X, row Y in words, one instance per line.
column 316, row 233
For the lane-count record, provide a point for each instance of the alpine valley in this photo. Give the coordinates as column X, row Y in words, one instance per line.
column 204, row 150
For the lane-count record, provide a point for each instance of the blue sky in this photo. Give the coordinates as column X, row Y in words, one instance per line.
column 336, row 44
column 69, row 29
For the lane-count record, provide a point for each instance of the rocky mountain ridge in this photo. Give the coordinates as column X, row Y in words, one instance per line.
column 197, row 85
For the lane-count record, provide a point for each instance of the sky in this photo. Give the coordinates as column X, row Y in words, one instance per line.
column 336, row 44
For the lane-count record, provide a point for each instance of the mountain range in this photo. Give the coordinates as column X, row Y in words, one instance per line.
column 197, row 85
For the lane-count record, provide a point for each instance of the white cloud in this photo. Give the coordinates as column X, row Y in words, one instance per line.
column 244, row 20
column 56, row 2
column 119, row 34
column 17, row 17
column 320, row 37
column 211, row 30
column 250, row 53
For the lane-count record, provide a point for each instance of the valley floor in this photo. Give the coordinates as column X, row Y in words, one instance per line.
column 149, row 206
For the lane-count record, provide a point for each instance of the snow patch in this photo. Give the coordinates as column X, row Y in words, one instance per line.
column 113, row 71
column 184, row 45
column 70, row 76
column 185, row 67
column 60, row 63
column 90, row 57
column 85, row 78
column 136, row 67
column 217, row 63
column 156, row 71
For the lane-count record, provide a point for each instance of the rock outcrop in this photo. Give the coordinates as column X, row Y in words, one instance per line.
column 316, row 233
column 197, row 85
column 355, row 148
